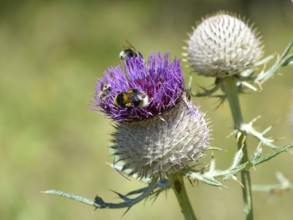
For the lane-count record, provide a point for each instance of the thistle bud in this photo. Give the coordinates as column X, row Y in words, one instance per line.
column 162, row 134
column 222, row 45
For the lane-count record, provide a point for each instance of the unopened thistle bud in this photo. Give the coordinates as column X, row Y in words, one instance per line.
column 222, row 45
column 157, row 129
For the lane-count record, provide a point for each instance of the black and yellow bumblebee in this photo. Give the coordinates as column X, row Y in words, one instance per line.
column 131, row 97
column 129, row 52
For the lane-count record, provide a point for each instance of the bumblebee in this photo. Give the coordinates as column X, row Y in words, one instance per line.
column 105, row 89
column 129, row 52
column 131, row 97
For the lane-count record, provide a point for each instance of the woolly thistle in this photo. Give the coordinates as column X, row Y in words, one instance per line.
column 165, row 136
column 222, row 45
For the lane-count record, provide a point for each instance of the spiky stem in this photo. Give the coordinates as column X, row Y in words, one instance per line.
column 229, row 86
column 177, row 184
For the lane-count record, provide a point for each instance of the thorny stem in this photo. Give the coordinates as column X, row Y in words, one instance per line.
column 229, row 86
column 98, row 202
column 177, row 184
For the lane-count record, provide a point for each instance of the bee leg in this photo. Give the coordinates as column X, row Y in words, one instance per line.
column 129, row 110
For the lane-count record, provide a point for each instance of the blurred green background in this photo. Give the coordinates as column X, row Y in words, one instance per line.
column 51, row 53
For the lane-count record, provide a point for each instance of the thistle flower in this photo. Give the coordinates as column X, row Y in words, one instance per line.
column 164, row 136
column 222, row 45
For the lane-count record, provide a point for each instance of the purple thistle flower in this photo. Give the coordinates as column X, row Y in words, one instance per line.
column 160, row 79
column 165, row 136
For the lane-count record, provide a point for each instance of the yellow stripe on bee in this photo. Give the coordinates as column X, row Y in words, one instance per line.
column 130, row 91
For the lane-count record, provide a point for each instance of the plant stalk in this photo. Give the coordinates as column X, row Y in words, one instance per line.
column 229, row 86
column 177, row 184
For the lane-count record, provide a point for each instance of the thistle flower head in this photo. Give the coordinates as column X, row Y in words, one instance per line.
column 162, row 144
column 165, row 136
column 162, row 81
column 222, row 45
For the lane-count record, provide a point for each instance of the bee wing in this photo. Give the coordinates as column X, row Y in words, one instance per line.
column 128, row 45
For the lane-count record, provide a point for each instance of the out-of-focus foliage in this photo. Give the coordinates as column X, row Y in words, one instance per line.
column 51, row 53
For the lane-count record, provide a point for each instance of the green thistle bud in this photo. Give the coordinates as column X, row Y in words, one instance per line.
column 222, row 45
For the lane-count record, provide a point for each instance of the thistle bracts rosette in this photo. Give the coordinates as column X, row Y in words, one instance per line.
column 167, row 135
column 222, row 45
